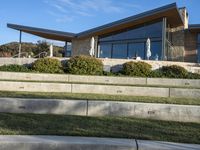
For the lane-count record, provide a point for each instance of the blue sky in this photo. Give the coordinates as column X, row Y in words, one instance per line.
column 76, row 15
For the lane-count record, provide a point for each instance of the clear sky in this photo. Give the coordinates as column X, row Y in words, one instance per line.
column 76, row 15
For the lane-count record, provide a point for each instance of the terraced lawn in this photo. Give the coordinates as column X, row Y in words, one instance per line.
column 118, row 127
column 76, row 96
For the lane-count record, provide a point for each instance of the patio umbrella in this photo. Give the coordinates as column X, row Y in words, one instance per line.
column 92, row 46
column 51, row 50
column 148, row 48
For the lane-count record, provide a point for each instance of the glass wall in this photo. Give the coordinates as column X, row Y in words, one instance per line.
column 131, row 43
column 198, row 52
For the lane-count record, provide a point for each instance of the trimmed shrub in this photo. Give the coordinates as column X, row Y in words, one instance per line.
column 84, row 65
column 156, row 74
column 193, row 75
column 14, row 68
column 139, row 69
column 47, row 65
column 174, row 71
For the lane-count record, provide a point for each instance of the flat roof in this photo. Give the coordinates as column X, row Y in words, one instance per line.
column 170, row 11
column 45, row 33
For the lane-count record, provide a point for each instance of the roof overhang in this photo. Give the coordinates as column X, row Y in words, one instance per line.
column 45, row 33
column 170, row 11
column 194, row 28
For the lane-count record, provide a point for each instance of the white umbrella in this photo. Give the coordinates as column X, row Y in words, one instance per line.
column 148, row 48
column 92, row 46
column 51, row 50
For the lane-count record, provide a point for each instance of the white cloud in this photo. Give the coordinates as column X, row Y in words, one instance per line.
column 70, row 9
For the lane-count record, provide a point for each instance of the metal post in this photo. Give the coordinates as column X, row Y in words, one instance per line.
column 164, row 38
column 20, row 43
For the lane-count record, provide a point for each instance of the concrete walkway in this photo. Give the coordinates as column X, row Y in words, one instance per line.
column 85, row 143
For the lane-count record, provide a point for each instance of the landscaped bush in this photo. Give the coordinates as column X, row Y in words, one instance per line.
column 139, row 69
column 47, row 65
column 14, row 68
column 174, row 71
column 84, row 65
column 193, row 75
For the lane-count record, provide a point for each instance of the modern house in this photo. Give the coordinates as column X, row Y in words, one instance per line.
column 172, row 37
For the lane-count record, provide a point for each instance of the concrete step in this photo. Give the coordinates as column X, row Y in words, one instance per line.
column 167, row 112
column 86, row 143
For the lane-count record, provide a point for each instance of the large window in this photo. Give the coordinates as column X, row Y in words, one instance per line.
column 105, row 51
column 119, row 51
column 198, row 48
column 130, row 43
column 136, row 50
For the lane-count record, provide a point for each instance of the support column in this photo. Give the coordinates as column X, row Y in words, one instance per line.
column 164, row 38
column 20, row 44
column 67, row 49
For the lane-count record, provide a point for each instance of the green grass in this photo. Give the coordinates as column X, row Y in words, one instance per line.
column 75, row 96
column 117, row 127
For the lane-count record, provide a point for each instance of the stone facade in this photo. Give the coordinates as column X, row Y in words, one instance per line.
column 190, row 46
column 82, row 46
column 177, row 39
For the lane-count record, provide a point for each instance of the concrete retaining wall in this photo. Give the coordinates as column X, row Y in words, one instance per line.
column 169, row 112
column 34, row 87
column 18, row 61
column 182, row 113
column 120, row 90
column 107, row 80
column 173, row 82
column 99, row 89
column 99, row 79
column 187, row 93
column 33, row 76
column 43, row 106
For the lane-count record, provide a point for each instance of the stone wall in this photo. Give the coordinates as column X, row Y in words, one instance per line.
column 82, row 46
column 190, row 46
column 177, row 39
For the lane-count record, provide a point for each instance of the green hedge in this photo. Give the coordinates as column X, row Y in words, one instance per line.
column 15, row 68
column 47, row 65
column 139, row 69
column 174, row 71
column 84, row 65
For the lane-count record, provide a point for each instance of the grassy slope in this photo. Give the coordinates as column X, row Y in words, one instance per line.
column 183, row 101
column 27, row 124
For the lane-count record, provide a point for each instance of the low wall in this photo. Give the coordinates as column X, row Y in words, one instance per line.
column 167, row 112
column 43, row 106
column 33, row 76
column 120, row 90
column 34, row 87
column 116, row 64
column 18, row 61
column 99, row 79
column 110, row 64
column 99, row 89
